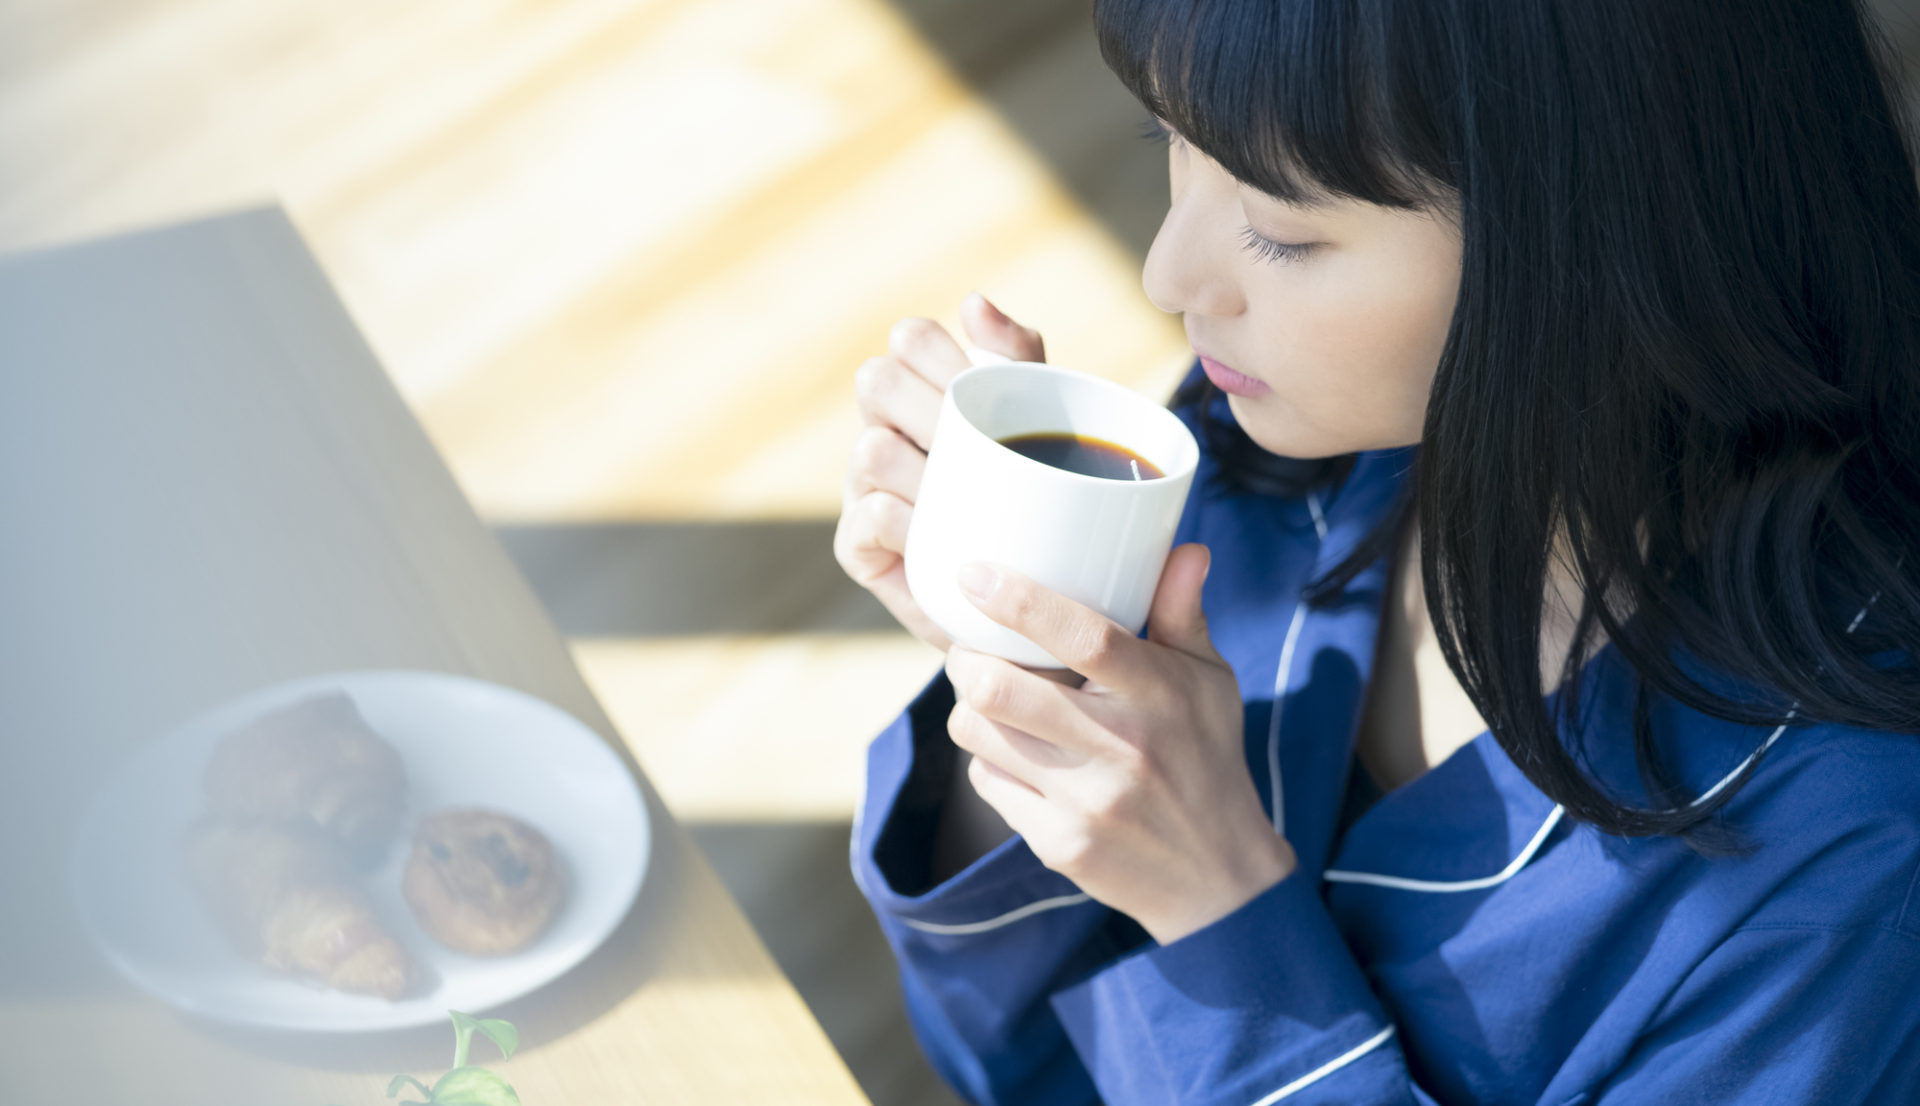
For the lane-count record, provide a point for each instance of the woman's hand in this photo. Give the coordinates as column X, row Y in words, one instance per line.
column 1135, row 786
column 899, row 399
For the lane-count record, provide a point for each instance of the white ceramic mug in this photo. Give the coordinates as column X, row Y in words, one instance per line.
column 1101, row 542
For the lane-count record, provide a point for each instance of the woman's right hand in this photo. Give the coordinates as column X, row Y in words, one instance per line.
column 899, row 398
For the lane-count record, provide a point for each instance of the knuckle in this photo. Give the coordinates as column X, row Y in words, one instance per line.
column 978, row 775
column 883, row 456
column 1022, row 604
column 864, row 520
column 870, row 450
column 1071, row 851
column 1132, row 762
column 871, row 378
column 907, row 332
column 890, row 513
column 992, row 693
column 960, row 726
column 1119, row 801
column 843, row 535
column 1102, row 642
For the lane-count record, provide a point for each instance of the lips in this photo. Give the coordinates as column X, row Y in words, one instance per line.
column 1227, row 380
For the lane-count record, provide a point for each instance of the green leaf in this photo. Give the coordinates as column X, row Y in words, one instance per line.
column 502, row 1033
column 473, row 1087
column 400, row 1081
column 463, row 1027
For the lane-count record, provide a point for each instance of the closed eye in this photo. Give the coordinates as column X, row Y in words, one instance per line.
column 1153, row 130
column 1266, row 249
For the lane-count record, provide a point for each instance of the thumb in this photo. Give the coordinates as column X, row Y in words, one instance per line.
column 1176, row 619
column 990, row 329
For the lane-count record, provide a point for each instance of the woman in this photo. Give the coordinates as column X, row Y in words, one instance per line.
column 1543, row 731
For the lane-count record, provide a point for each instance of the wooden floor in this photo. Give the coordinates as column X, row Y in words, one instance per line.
column 623, row 257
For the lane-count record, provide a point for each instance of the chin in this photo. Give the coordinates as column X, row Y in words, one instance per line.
column 1274, row 427
column 1271, row 428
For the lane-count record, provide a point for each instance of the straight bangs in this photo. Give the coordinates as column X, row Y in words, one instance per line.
column 1304, row 100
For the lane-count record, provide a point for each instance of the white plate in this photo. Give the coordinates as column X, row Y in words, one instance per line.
column 465, row 743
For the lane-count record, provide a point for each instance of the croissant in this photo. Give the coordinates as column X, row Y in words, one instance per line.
column 317, row 761
column 286, row 895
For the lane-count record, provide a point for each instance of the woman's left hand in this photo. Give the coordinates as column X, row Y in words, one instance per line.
column 1135, row 785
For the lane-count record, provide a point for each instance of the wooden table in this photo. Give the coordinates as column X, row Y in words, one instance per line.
column 208, row 485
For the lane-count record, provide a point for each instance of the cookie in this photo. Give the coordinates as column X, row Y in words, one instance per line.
column 481, row 882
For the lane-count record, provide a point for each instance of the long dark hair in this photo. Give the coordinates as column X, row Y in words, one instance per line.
column 1685, row 336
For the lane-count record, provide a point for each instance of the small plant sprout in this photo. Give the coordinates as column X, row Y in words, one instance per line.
column 467, row 1085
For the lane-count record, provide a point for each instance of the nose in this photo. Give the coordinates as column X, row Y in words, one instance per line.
column 1190, row 268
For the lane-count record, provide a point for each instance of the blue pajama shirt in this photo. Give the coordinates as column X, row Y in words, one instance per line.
column 1454, row 941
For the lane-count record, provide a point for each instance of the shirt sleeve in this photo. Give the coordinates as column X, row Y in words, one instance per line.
column 1268, row 1005
column 980, row 952
column 1264, row 1005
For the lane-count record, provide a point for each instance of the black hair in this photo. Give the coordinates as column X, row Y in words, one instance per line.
column 1685, row 334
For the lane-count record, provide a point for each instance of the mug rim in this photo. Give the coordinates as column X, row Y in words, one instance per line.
column 1182, row 472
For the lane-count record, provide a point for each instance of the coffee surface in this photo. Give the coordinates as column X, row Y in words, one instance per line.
column 1084, row 455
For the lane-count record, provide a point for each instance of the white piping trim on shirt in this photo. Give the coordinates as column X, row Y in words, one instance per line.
column 1319, row 519
column 1273, row 728
column 1795, row 709
column 1280, row 687
column 1008, row 918
column 1330, row 1066
column 1335, row 875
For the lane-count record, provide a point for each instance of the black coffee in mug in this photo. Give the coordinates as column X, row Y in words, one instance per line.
column 1084, row 455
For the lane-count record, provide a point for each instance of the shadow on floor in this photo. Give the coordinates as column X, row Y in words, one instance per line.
column 673, row 578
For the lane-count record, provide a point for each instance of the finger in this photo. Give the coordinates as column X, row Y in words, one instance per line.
column 884, row 460
column 872, row 536
column 890, row 394
column 890, row 587
column 1021, row 755
column 1176, row 618
column 989, row 328
column 1036, row 708
column 925, row 347
column 1082, row 638
column 1021, row 807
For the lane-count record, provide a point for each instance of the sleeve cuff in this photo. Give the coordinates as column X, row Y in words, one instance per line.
column 909, row 768
column 1265, row 1004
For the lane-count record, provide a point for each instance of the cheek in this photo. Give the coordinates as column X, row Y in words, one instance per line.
column 1353, row 349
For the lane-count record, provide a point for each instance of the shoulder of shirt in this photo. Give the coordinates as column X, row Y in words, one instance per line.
column 1831, row 812
column 1843, row 805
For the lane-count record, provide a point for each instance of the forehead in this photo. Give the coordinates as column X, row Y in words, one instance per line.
column 1305, row 199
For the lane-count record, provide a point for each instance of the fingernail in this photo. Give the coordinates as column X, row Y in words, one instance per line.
column 978, row 580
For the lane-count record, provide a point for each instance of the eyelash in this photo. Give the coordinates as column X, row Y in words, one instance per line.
column 1154, row 131
column 1266, row 249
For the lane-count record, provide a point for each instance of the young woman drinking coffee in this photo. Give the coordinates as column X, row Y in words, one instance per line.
column 1525, row 714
